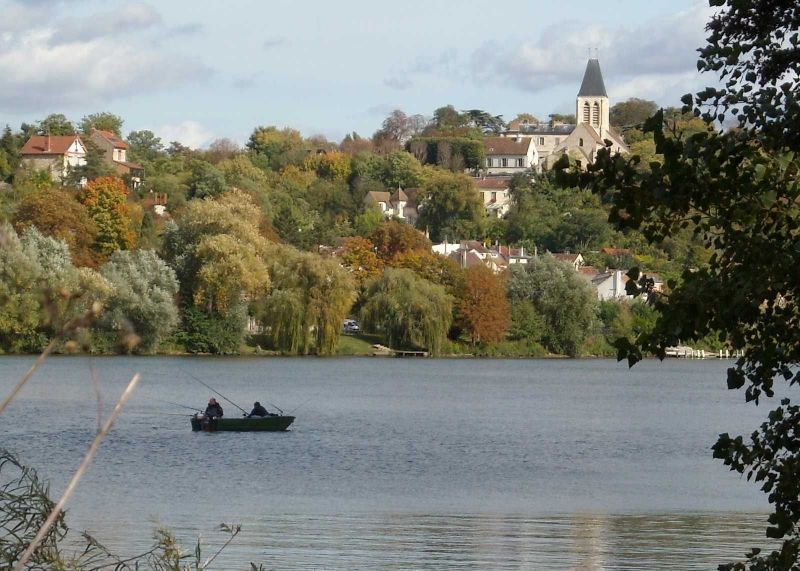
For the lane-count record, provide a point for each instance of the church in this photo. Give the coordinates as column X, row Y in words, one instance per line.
column 582, row 140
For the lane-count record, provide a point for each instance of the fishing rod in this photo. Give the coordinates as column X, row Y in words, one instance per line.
column 305, row 402
column 217, row 392
column 179, row 404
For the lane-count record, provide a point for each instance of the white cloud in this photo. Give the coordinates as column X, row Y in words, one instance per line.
column 658, row 52
column 65, row 63
column 189, row 133
column 125, row 19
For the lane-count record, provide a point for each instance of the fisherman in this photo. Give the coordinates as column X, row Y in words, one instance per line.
column 258, row 410
column 213, row 409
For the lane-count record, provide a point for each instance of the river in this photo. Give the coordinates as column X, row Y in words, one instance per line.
column 405, row 463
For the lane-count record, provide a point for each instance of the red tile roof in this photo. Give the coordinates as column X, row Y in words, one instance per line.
column 48, row 144
column 111, row 138
column 506, row 146
column 492, row 183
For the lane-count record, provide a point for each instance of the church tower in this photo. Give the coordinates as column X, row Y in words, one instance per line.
column 592, row 105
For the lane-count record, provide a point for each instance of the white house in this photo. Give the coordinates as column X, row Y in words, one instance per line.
column 402, row 204
column 610, row 285
column 509, row 155
column 56, row 154
column 495, row 194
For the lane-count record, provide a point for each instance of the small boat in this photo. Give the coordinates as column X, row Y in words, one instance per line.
column 244, row 424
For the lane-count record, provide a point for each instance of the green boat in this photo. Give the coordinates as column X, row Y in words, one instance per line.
column 244, row 424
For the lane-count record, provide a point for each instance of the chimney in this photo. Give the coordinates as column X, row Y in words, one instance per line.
column 47, row 142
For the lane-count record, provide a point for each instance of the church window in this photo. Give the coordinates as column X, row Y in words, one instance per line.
column 596, row 114
column 586, row 112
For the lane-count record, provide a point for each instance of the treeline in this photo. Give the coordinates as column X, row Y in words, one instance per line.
column 273, row 245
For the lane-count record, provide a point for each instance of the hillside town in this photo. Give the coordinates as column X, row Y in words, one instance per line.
column 445, row 198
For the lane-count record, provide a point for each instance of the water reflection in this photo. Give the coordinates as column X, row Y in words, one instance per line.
column 585, row 542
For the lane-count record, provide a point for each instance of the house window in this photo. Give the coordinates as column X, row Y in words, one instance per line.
column 488, row 162
column 503, row 162
column 541, row 140
column 580, row 142
column 494, row 196
column 521, row 163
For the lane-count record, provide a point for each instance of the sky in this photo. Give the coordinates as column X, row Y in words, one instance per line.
column 195, row 71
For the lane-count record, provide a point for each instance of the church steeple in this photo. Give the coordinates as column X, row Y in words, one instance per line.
column 592, row 102
column 592, row 84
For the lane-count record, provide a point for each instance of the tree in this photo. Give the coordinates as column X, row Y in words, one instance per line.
column 451, row 207
column 222, row 149
column 57, row 213
column 526, row 118
column 562, row 118
column 144, row 146
column 483, row 307
column 392, row 238
column 96, row 166
column 566, row 302
column 102, row 121
column 144, row 297
column 312, row 296
column 633, row 111
column 278, row 147
column 433, row 267
column 737, row 191
column 359, row 258
column 105, row 199
column 485, row 121
column 447, row 117
column 56, row 124
column 408, row 311
column 206, row 181
column 396, row 128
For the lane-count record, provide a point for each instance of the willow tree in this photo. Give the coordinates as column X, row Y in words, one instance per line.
column 410, row 312
column 310, row 298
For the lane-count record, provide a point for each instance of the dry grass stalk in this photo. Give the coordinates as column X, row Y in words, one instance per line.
column 73, row 483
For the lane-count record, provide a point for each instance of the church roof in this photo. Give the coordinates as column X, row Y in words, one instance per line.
column 592, row 85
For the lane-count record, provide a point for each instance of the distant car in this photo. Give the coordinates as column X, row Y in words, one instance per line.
column 350, row 326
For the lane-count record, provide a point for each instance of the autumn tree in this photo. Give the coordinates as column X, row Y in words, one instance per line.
column 408, row 311
column 358, row 256
column 57, row 213
column 279, row 147
column 105, row 199
column 392, row 238
column 483, row 307
column 433, row 267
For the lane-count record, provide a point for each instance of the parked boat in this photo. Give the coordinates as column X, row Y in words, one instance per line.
column 244, row 424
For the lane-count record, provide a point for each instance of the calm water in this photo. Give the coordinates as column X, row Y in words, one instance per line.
column 406, row 464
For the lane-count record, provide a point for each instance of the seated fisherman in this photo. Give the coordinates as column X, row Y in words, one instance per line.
column 213, row 409
column 258, row 410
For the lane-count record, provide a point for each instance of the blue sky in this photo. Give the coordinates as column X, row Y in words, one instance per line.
column 195, row 71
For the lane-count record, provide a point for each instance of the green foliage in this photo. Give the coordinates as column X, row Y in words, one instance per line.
column 55, row 124
column 566, row 302
column 278, row 147
column 104, row 121
column 738, row 192
column 453, row 153
column 451, row 207
column 213, row 333
column 144, row 297
column 206, row 181
column 408, row 311
column 633, row 111
column 310, row 299
column 144, row 146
